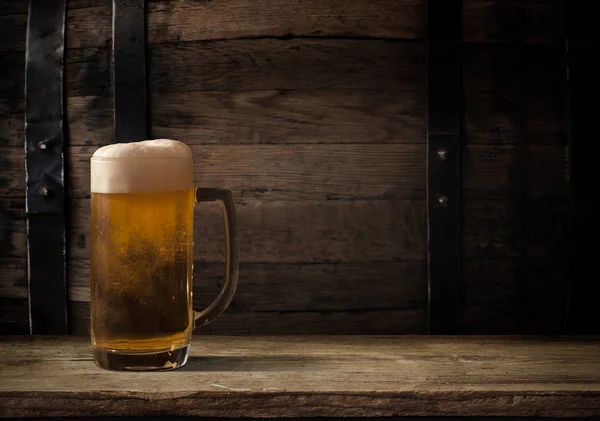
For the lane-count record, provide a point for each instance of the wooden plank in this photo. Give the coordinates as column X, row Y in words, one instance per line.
column 260, row 65
column 44, row 150
column 495, row 229
column 12, row 32
column 14, row 308
column 444, row 121
column 514, row 83
column 12, row 121
column 91, row 120
column 13, row 282
column 14, row 316
column 12, row 171
column 515, row 228
column 88, row 72
column 368, row 322
column 516, row 22
column 286, row 64
column 89, row 25
column 514, row 296
column 493, row 100
column 12, row 77
column 508, row 172
column 338, row 231
column 246, row 65
column 13, row 241
column 514, row 94
column 341, row 171
column 351, row 298
column 295, row 172
column 313, row 376
column 89, row 22
column 82, row 4
column 12, row 7
column 14, row 297
column 300, row 172
column 172, row 21
column 279, row 116
column 267, row 117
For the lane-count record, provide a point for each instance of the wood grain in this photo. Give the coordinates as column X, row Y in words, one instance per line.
column 87, row 72
column 355, row 298
column 514, row 94
column 13, row 283
column 291, row 231
column 508, row 172
column 14, row 316
column 515, row 296
column 170, row 21
column 82, row 4
column 89, row 25
column 13, row 7
column 313, row 376
column 14, row 308
column 12, row 122
column 262, row 64
column 295, row 172
column 490, row 229
column 89, row 22
column 515, row 228
column 342, row 172
column 277, row 109
column 266, row 117
column 13, row 241
column 12, row 171
column 12, row 78
column 286, row 64
column 514, row 78
column 280, row 116
column 12, row 32
column 90, row 120
column 501, row 21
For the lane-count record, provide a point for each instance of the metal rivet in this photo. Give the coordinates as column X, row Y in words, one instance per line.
column 443, row 200
column 46, row 192
column 443, row 153
column 43, row 145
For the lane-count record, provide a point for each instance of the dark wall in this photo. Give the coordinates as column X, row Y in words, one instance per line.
column 515, row 167
column 314, row 113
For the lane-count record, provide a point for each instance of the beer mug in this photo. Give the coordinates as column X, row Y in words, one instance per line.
column 142, row 214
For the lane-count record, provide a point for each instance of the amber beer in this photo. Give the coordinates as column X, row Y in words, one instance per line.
column 142, row 203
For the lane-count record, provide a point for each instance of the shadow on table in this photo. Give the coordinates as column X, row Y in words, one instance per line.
column 255, row 363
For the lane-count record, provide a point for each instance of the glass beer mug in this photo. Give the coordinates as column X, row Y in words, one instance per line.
column 142, row 205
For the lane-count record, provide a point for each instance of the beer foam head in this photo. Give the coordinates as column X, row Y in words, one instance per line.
column 142, row 167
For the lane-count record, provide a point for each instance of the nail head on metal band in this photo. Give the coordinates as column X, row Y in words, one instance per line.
column 46, row 192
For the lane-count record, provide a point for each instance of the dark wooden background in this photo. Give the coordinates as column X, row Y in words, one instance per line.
column 314, row 113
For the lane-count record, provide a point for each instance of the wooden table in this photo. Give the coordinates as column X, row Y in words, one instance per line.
column 312, row 376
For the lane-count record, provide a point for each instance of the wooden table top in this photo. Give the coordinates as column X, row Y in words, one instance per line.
column 310, row 376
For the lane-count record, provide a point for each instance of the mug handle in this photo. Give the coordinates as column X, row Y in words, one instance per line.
column 224, row 198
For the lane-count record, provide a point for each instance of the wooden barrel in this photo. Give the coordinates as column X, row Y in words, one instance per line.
column 315, row 114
